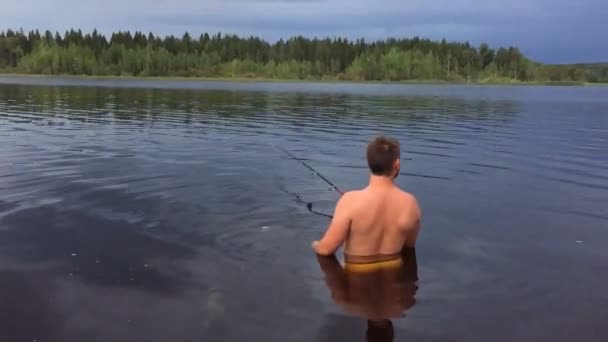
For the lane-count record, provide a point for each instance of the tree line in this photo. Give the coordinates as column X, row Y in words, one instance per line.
column 225, row 55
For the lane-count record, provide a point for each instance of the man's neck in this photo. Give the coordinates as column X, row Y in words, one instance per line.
column 380, row 182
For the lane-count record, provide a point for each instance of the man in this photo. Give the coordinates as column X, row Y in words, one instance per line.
column 378, row 222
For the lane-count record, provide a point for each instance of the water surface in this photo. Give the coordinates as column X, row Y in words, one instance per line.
column 164, row 211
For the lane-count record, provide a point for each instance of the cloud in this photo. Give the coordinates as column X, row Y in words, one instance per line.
column 549, row 30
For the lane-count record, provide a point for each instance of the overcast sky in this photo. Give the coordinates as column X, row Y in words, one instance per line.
column 546, row 30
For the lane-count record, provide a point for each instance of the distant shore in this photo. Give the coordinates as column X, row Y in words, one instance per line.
column 287, row 80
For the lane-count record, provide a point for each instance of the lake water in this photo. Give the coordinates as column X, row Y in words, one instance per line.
column 167, row 211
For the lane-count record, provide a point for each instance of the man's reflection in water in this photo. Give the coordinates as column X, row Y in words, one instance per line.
column 378, row 292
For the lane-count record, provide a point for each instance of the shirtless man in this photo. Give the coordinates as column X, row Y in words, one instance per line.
column 378, row 222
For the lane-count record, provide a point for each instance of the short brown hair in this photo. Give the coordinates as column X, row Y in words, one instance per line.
column 381, row 154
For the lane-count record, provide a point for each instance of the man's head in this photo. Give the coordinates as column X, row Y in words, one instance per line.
column 383, row 157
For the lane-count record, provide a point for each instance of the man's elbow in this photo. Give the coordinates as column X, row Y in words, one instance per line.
column 323, row 250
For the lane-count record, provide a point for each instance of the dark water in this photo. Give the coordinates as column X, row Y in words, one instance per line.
column 164, row 211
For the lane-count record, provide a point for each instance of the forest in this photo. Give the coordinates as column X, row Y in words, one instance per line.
column 230, row 56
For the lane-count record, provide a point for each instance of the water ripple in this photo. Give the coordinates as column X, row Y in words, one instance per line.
column 509, row 179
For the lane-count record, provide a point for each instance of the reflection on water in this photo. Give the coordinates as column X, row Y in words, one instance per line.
column 378, row 296
column 164, row 211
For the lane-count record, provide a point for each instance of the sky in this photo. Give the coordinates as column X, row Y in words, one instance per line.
column 550, row 31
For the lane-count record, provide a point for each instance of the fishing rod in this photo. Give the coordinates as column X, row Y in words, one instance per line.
column 315, row 172
column 311, row 169
column 308, row 204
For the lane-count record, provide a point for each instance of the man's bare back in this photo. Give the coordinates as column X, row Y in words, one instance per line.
column 379, row 220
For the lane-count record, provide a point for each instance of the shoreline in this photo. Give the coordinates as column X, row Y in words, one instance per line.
column 281, row 80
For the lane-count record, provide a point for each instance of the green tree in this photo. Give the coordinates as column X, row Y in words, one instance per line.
column 297, row 58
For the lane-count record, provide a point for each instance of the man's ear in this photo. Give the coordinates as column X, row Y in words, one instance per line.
column 396, row 168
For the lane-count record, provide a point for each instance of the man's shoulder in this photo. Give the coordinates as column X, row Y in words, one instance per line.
column 347, row 201
column 350, row 195
column 407, row 196
column 409, row 199
column 350, row 199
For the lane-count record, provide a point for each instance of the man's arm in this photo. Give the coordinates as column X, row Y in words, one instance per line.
column 410, row 263
column 338, row 229
column 334, row 276
column 412, row 235
column 414, row 231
